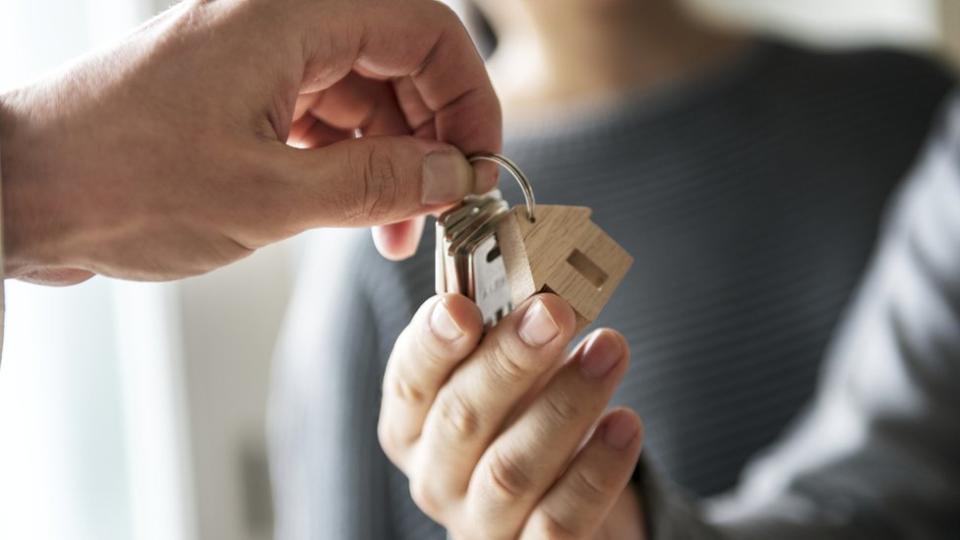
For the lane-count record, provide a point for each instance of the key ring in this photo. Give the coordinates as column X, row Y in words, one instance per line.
column 517, row 174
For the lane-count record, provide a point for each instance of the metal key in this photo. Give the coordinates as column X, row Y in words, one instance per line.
column 468, row 258
column 499, row 256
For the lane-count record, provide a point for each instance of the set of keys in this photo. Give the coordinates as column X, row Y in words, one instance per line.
column 498, row 256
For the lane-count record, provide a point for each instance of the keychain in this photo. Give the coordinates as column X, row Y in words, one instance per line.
column 498, row 256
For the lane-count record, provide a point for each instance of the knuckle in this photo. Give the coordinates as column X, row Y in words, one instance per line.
column 379, row 175
column 562, row 407
column 406, row 390
column 423, row 496
column 505, row 365
column 188, row 13
column 507, row 480
column 434, row 356
column 587, row 488
column 388, row 439
column 458, row 417
column 546, row 525
column 444, row 13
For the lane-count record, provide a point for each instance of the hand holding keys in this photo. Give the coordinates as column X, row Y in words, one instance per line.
column 499, row 256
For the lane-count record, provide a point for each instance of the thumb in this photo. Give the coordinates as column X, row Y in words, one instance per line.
column 373, row 181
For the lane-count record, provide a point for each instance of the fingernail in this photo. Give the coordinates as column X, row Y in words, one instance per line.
column 538, row 327
column 600, row 355
column 620, row 432
column 442, row 324
column 447, row 178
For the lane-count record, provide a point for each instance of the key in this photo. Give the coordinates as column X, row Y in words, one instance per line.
column 468, row 259
column 498, row 256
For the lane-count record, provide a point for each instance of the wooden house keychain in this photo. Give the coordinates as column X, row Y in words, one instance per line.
column 498, row 256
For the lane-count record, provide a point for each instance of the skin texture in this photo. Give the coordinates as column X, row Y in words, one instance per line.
column 506, row 436
column 222, row 126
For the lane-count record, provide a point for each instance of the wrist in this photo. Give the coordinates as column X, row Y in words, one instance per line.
column 26, row 229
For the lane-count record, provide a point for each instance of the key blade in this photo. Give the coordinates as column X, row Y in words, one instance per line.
column 489, row 287
column 440, row 272
column 451, row 269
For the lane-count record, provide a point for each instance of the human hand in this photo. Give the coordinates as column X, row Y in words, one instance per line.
column 165, row 156
column 492, row 435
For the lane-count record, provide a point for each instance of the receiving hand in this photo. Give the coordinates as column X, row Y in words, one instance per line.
column 166, row 155
column 506, row 437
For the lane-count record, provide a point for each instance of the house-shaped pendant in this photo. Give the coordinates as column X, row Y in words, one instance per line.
column 562, row 252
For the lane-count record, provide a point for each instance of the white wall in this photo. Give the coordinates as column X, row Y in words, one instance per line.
column 835, row 22
column 74, row 461
column 230, row 322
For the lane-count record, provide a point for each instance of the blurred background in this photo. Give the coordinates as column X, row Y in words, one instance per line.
column 138, row 410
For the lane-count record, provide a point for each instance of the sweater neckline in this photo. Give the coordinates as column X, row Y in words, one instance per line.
column 592, row 118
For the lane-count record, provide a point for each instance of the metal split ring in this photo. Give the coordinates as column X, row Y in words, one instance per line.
column 517, row 174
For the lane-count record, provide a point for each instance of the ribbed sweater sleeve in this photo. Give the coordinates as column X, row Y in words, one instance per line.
column 876, row 455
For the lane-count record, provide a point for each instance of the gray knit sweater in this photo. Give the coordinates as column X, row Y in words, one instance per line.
column 750, row 198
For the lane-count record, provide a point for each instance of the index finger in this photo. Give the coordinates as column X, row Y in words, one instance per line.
column 443, row 332
column 425, row 41
column 480, row 395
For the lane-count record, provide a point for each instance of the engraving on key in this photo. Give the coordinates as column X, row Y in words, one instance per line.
column 490, row 291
